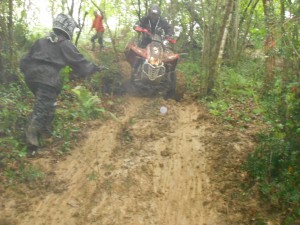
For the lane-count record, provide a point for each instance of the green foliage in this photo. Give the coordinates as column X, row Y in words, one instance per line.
column 275, row 164
column 275, row 167
column 292, row 116
column 217, row 108
column 15, row 102
column 79, row 105
column 191, row 71
column 26, row 173
column 236, row 96
column 89, row 104
column 236, row 82
column 13, row 111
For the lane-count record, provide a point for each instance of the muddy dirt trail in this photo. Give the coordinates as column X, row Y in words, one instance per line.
column 141, row 168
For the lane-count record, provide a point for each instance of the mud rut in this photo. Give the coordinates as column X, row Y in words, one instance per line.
column 141, row 168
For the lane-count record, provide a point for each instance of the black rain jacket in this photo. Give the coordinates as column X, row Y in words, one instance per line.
column 47, row 57
column 156, row 28
column 161, row 27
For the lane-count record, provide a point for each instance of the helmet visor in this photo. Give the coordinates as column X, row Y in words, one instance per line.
column 154, row 15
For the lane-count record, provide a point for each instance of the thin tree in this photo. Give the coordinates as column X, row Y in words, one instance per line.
column 244, row 29
column 217, row 54
column 270, row 43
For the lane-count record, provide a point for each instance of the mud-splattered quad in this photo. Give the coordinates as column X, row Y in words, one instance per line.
column 156, row 68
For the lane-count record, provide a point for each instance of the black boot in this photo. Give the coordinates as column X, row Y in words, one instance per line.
column 32, row 133
column 134, row 75
column 46, row 137
column 135, row 71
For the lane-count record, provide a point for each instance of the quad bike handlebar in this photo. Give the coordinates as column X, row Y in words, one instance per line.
column 143, row 30
column 171, row 40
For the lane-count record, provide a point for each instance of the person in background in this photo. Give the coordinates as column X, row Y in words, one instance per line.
column 41, row 67
column 98, row 26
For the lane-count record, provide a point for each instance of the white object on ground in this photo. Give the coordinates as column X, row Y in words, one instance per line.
column 163, row 110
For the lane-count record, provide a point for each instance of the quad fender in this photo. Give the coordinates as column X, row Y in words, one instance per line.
column 170, row 57
column 133, row 52
column 170, row 86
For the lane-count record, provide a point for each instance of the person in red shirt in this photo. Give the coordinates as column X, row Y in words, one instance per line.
column 98, row 26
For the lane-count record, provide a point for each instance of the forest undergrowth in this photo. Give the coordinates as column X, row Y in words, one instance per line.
column 273, row 168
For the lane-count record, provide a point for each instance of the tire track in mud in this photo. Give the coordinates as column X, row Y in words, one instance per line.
column 183, row 177
column 143, row 168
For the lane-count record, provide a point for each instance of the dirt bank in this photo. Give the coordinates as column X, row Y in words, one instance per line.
column 142, row 168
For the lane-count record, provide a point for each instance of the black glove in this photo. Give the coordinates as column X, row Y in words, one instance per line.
column 170, row 39
column 100, row 68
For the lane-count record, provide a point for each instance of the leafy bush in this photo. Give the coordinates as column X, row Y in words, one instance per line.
column 14, row 102
column 275, row 167
column 275, row 164
column 89, row 104
column 191, row 72
column 236, row 99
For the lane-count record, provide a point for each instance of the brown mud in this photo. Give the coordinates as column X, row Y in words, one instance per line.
column 142, row 168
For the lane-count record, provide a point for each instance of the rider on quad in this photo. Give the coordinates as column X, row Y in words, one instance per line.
column 155, row 24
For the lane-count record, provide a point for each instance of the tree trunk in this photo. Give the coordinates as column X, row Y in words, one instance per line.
column 222, row 45
column 219, row 48
column 80, row 22
column 206, row 48
column 1, row 47
column 71, row 8
column 270, row 43
column 81, row 25
column 10, row 29
column 236, row 28
column 243, row 42
column 3, row 40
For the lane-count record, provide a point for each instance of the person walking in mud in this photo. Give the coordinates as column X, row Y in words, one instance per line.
column 99, row 28
column 41, row 67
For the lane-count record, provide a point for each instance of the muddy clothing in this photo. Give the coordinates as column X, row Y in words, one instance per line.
column 46, row 58
column 44, row 106
column 160, row 27
column 41, row 67
column 99, row 37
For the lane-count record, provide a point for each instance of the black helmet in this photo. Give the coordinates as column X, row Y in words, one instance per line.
column 64, row 23
column 154, row 13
